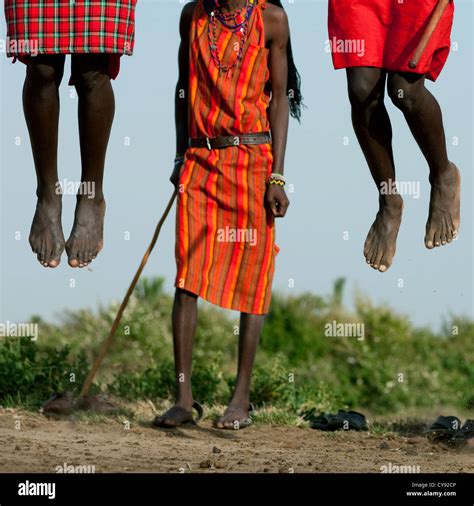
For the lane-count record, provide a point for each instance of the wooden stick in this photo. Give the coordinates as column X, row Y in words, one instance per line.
column 108, row 341
column 425, row 39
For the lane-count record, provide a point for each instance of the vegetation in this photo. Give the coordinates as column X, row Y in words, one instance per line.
column 300, row 369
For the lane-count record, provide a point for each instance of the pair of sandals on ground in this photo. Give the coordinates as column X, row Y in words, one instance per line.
column 177, row 416
column 446, row 429
column 449, row 430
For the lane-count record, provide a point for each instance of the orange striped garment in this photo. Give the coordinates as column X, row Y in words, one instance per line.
column 225, row 238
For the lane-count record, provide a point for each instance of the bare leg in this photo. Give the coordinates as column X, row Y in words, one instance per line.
column 238, row 410
column 423, row 115
column 184, row 329
column 374, row 133
column 96, row 114
column 41, row 108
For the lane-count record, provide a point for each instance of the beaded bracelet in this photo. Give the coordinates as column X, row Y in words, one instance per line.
column 276, row 179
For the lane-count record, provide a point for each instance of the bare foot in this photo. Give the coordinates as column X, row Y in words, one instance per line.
column 86, row 239
column 236, row 416
column 381, row 243
column 445, row 209
column 175, row 416
column 46, row 235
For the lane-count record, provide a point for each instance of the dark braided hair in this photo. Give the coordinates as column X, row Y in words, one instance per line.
column 294, row 79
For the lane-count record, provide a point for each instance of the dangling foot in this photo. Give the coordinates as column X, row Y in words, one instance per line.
column 46, row 235
column 381, row 243
column 86, row 239
column 445, row 208
column 236, row 416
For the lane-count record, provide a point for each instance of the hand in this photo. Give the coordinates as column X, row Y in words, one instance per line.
column 174, row 178
column 276, row 200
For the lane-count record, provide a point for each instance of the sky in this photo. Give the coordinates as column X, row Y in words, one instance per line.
column 333, row 199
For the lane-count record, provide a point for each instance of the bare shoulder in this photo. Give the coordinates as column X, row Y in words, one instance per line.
column 189, row 7
column 187, row 17
column 276, row 21
column 275, row 15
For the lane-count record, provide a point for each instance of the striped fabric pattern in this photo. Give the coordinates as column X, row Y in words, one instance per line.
column 70, row 26
column 225, row 247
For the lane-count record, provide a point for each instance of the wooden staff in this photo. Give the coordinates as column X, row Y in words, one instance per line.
column 425, row 39
column 108, row 341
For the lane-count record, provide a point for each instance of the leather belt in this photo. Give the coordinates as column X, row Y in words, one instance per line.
column 231, row 140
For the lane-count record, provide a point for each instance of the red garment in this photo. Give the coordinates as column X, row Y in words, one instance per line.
column 225, row 236
column 70, row 26
column 385, row 34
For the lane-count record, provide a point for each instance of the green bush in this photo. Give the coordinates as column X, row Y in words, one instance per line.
column 396, row 366
column 29, row 376
column 159, row 382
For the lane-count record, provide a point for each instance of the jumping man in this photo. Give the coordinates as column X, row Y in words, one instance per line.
column 237, row 85
column 40, row 34
column 375, row 42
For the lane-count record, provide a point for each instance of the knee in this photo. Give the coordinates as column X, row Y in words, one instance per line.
column 43, row 74
column 403, row 94
column 185, row 297
column 89, row 74
column 363, row 92
column 89, row 80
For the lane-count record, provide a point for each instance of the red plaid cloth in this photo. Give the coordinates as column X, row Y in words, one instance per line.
column 70, row 26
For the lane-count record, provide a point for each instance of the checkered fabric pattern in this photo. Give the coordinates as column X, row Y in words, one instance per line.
column 70, row 26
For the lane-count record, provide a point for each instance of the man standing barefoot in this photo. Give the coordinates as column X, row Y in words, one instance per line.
column 235, row 61
column 375, row 42
column 40, row 34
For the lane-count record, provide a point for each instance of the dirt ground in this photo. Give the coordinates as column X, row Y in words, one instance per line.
column 29, row 442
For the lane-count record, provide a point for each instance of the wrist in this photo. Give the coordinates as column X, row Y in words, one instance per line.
column 276, row 179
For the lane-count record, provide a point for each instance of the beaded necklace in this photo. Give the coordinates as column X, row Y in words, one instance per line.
column 237, row 22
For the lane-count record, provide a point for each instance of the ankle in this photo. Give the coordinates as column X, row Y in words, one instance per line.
column 392, row 202
column 90, row 197
column 185, row 400
column 49, row 196
column 445, row 173
column 241, row 401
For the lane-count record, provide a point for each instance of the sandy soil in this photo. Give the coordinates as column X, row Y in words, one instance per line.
column 32, row 443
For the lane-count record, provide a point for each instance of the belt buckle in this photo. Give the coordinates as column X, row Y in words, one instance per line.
column 208, row 143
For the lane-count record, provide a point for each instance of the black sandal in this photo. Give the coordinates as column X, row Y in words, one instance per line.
column 445, row 428
column 247, row 422
column 59, row 404
column 159, row 421
column 347, row 420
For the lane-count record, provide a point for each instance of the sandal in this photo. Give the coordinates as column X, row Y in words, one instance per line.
column 347, row 420
column 247, row 422
column 59, row 404
column 445, row 428
column 462, row 436
column 187, row 417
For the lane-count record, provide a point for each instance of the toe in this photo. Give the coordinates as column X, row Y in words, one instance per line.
column 385, row 263
column 429, row 239
column 376, row 259
column 443, row 235
column 53, row 263
column 41, row 255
